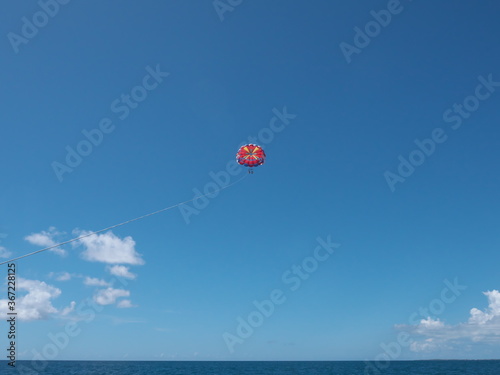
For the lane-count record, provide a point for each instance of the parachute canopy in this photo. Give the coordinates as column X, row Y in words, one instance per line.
column 250, row 155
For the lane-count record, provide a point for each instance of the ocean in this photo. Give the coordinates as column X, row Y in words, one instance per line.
column 253, row 368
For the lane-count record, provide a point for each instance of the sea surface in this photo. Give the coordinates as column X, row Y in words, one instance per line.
column 253, row 368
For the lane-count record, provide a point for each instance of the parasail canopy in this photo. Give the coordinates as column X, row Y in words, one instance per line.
column 250, row 155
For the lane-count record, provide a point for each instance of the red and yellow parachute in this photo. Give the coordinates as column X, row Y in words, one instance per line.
column 250, row 155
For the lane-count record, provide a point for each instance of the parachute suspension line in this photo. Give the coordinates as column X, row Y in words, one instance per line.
column 120, row 224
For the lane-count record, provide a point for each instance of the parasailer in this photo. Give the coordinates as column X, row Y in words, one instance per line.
column 250, row 156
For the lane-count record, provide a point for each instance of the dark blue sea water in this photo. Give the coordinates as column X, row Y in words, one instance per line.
column 253, row 368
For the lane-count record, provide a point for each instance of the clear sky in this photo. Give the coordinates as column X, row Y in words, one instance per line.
column 371, row 231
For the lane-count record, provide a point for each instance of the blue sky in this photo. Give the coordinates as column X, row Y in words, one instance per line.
column 408, row 266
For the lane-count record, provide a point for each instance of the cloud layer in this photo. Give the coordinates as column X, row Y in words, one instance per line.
column 35, row 298
column 483, row 326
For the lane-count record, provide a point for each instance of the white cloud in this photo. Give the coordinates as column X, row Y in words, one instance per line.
column 426, row 345
column 109, row 296
column 122, row 271
column 36, row 304
column 65, row 276
column 4, row 253
column 481, row 327
column 62, row 276
column 493, row 311
column 431, row 324
column 109, row 248
column 92, row 281
column 40, row 239
column 46, row 239
column 124, row 304
column 68, row 309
